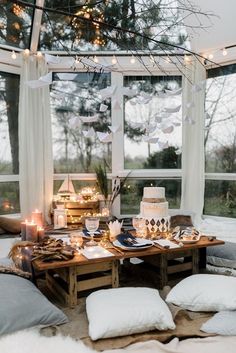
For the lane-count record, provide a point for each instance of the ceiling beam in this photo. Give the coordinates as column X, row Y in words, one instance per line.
column 36, row 27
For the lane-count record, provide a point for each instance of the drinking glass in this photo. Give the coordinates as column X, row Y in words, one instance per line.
column 76, row 240
column 140, row 226
column 92, row 224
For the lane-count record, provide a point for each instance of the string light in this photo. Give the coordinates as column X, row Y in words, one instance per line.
column 210, row 56
column 39, row 54
column 224, row 52
column 114, row 60
column 132, row 60
column 95, row 59
column 13, row 55
column 27, row 52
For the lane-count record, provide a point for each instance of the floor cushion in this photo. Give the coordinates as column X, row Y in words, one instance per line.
column 222, row 323
column 124, row 311
column 22, row 306
column 10, row 225
column 204, row 292
column 222, row 255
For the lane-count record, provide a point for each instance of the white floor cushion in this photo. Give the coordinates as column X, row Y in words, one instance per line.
column 124, row 311
column 222, row 323
column 205, row 292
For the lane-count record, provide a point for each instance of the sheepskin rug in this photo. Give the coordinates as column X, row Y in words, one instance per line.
column 30, row 341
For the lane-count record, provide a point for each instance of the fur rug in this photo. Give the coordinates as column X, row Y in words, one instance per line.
column 29, row 341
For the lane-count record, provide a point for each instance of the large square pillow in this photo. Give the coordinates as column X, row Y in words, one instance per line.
column 10, row 225
column 223, row 255
column 204, row 292
column 222, row 323
column 22, row 306
column 124, row 311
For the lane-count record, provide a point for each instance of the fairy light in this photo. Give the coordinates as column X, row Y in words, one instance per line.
column 26, row 52
column 224, row 52
column 95, row 59
column 210, row 56
column 132, row 60
column 114, row 60
column 13, row 55
column 152, row 59
column 39, row 54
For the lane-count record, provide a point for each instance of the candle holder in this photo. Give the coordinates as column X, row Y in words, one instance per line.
column 60, row 218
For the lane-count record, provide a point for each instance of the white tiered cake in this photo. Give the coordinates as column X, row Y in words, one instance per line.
column 154, row 208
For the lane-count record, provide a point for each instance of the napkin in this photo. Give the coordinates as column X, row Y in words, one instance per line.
column 122, row 238
column 96, row 234
column 114, row 228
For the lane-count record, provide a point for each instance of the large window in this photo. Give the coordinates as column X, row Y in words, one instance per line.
column 153, row 122
column 9, row 160
column 81, row 120
column 220, row 142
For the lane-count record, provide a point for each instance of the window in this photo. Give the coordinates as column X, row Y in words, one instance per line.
column 153, row 123
column 9, row 159
column 220, row 141
column 79, row 119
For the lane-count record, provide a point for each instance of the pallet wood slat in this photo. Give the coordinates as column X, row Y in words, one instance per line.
column 93, row 268
column 179, row 268
column 94, row 283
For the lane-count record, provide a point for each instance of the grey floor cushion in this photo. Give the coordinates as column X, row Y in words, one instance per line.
column 223, row 255
column 22, row 306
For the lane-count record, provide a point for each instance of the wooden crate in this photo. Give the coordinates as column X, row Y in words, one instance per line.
column 76, row 209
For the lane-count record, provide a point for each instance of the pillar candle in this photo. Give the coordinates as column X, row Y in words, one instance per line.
column 23, row 230
column 41, row 234
column 31, row 232
column 37, row 218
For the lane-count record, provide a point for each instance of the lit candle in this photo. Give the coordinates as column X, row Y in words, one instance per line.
column 41, row 233
column 23, row 230
column 61, row 221
column 31, row 232
column 37, row 218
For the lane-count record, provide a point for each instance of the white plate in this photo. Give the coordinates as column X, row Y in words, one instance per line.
column 134, row 248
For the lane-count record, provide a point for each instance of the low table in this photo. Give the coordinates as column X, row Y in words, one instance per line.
column 66, row 279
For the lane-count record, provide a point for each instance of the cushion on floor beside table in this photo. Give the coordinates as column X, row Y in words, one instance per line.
column 204, row 292
column 222, row 255
column 124, row 311
column 22, row 306
column 222, row 323
column 10, row 225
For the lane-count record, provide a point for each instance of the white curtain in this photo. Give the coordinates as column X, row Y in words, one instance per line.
column 193, row 160
column 35, row 141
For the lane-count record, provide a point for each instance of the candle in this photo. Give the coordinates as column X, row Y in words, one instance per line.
column 37, row 218
column 31, row 232
column 61, row 221
column 41, row 233
column 23, row 230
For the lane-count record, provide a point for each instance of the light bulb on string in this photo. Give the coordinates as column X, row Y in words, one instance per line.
column 114, row 60
column 13, row 55
column 95, row 59
column 224, row 52
column 26, row 52
column 210, row 56
column 39, row 54
column 132, row 60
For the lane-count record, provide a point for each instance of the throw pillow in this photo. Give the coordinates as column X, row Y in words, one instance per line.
column 204, row 292
column 222, row 323
column 10, row 225
column 124, row 311
column 181, row 220
column 22, row 306
column 223, row 255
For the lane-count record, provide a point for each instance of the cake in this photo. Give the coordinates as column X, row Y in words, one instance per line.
column 154, row 209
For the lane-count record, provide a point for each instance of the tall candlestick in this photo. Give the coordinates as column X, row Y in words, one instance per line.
column 41, row 234
column 23, row 230
column 37, row 218
column 31, row 232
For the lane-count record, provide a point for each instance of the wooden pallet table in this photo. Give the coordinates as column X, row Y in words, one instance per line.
column 67, row 279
